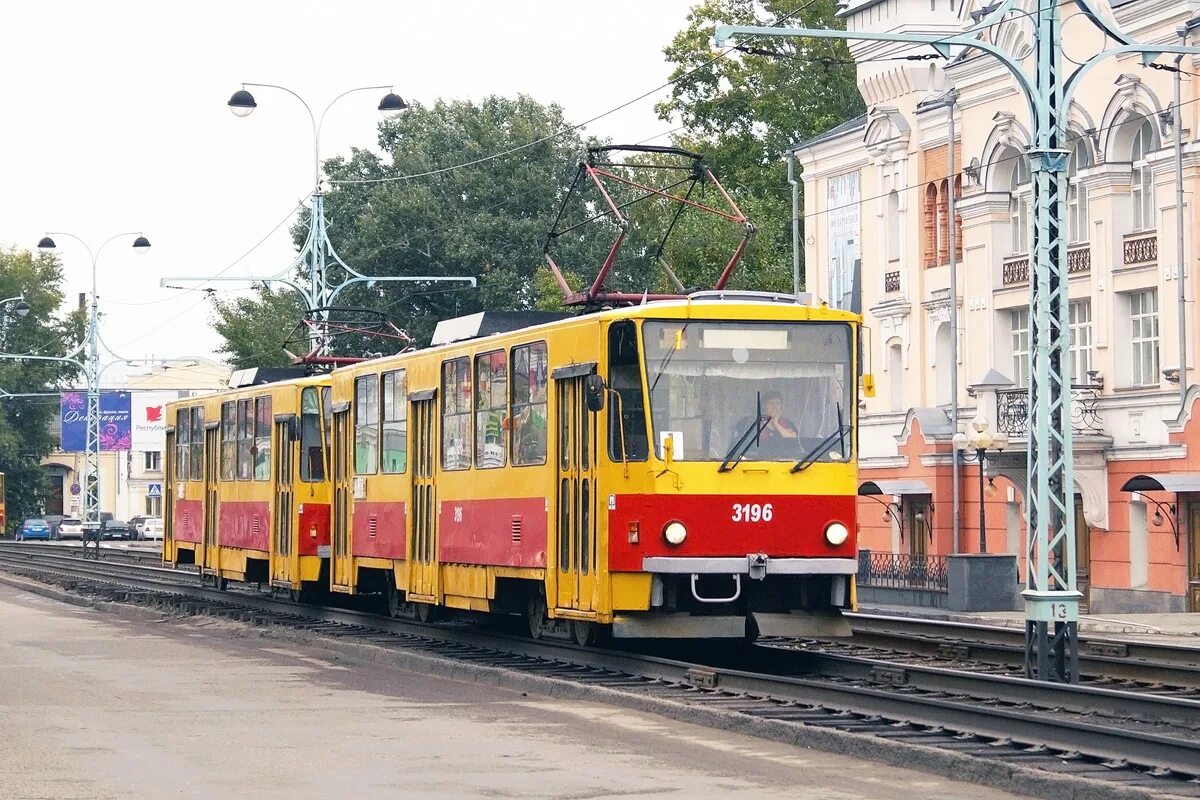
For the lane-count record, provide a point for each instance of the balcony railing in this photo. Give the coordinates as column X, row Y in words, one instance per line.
column 891, row 281
column 1012, row 411
column 1079, row 259
column 1016, row 270
column 1141, row 248
column 903, row 571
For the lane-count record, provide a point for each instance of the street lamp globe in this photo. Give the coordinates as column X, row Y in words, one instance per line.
column 141, row 244
column 22, row 309
column 242, row 103
column 392, row 105
column 980, row 423
column 983, row 440
column 960, row 441
column 1000, row 441
column 46, row 244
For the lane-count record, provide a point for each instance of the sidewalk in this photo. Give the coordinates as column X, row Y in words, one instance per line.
column 1184, row 627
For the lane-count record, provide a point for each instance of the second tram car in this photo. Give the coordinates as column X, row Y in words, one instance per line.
column 248, row 487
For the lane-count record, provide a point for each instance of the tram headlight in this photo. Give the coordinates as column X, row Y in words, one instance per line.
column 675, row 533
column 836, row 533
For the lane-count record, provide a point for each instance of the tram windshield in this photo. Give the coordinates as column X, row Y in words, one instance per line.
column 758, row 391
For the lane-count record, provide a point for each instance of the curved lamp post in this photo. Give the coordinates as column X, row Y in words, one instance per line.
column 317, row 255
column 981, row 439
column 89, row 351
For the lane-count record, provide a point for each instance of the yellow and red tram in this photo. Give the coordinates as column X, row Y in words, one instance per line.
column 248, row 484
column 681, row 468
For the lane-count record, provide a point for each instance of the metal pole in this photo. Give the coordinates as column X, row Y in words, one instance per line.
column 795, row 222
column 952, row 238
column 1180, row 269
column 979, row 454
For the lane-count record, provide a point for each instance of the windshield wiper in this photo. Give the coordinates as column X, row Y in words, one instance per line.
column 812, row 455
column 666, row 360
column 749, row 436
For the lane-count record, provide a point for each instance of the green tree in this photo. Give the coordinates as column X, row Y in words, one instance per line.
column 488, row 220
column 256, row 328
column 744, row 110
column 27, row 433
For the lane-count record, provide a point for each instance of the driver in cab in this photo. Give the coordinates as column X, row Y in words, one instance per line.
column 777, row 436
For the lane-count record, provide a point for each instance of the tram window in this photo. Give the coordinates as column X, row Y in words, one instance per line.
column 625, row 378
column 196, row 445
column 183, row 434
column 312, row 455
column 395, row 422
column 366, row 424
column 228, row 441
column 327, row 410
column 245, row 440
column 456, row 414
column 528, row 429
column 491, row 405
column 262, row 439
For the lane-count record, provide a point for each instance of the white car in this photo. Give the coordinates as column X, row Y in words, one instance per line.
column 70, row 528
column 152, row 528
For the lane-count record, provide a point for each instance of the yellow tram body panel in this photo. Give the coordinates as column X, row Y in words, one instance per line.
column 248, row 492
column 471, row 473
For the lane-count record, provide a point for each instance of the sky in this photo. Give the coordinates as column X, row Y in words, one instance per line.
column 116, row 120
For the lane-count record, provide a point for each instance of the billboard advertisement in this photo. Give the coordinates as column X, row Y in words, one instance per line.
column 150, row 419
column 115, row 419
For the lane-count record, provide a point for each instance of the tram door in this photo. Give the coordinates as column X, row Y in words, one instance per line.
column 575, row 514
column 423, row 527
column 169, row 498
column 211, row 558
column 283, row 521
column 341, row 568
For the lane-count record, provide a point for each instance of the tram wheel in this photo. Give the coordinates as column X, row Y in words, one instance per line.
column 582, row 632
column 427, row 612
column 394, row 604
column 536, row 614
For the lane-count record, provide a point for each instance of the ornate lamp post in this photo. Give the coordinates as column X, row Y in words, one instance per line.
column 980, row 440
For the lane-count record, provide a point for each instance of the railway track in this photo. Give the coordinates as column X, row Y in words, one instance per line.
column 1121, row 663
column 1132, row 743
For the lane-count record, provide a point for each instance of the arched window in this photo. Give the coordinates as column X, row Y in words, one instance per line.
column 931, row 236
column 958, row 242
column 1077, row 198
column 1018, row 200
column 1142, row 177
column 943, row 223
column 893, row 225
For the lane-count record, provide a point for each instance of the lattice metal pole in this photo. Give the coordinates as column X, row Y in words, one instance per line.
column 1051, row 599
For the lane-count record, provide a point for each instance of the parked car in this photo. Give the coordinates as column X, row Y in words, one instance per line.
column 116, row 529
column 152, row 528
column 33, row 528
column 70, row 528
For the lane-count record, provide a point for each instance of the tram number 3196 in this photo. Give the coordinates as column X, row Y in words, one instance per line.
column 753, row 512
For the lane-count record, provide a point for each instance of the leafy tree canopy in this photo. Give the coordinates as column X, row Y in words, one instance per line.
column 26, row 423
column 744, row 110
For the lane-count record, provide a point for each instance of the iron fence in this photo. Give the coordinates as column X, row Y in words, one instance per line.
column 1012, row 411
column 903, row 571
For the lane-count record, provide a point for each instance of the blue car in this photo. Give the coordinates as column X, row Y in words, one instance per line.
column 33, row 528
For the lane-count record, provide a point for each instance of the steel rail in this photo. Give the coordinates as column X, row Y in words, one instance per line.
column 1105, row 657
column 994, row 707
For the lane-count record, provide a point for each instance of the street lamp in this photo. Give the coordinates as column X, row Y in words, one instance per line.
column 21, row 309
column 317, row 255
column 980, row 440
column 89, row 348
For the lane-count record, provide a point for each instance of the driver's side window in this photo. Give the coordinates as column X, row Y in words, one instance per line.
column 625, row 378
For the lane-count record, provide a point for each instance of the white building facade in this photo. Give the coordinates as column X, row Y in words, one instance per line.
column 877, row 190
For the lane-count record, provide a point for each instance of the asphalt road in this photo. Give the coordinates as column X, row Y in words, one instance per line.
column 94, row 706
